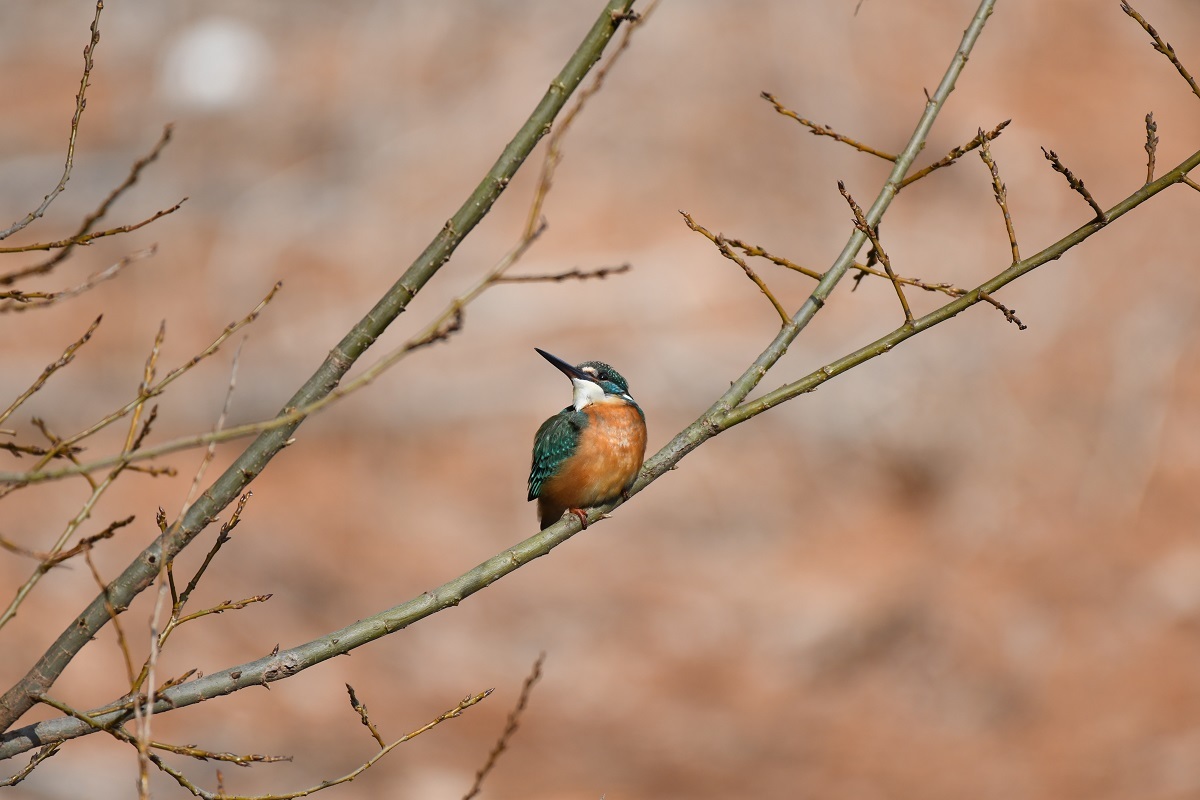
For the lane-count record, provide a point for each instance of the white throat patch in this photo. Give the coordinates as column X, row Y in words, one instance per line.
column 586, row 393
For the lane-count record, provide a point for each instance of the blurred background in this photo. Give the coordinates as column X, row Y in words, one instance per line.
column 969, row 568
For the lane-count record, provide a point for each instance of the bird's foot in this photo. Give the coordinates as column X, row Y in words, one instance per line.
column 579, row 512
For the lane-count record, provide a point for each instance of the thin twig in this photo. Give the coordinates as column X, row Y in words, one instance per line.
column 237, row 759
column 510, row 728
column 77, row 240
column 180, row 599
column 534, row 220
column 1161, row 46
column 1151, row 145
column 82, row 235
column 756, row 251
column 53, row 560
column 572, row 274
column 860, row 222
column 727, row 251
column 38, row 758
column 55, row 441
column 161, row 386
column 1001, row 195
column 122, row 735
column 1073, row 182
column 80, row 104
column 113, row 612
column 824, row 130
column 361, row 708
column 67, row 357
column 16, row 300
column 956, row 154
column 44, row 567
column 211, row 451
column 19, row 450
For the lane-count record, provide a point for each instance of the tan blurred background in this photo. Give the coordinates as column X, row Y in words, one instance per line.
column 968, row 569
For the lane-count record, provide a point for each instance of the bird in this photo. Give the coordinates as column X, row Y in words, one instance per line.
column 589, row 453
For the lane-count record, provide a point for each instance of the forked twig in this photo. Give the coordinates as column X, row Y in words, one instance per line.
column 16, row 300
column 83, row 234
column 860, row 222
column 956, row 153
column 727, row 251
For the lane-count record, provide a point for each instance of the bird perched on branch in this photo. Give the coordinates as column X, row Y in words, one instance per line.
column 589, row 453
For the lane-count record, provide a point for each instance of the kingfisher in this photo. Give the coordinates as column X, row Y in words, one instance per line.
column 589, row 453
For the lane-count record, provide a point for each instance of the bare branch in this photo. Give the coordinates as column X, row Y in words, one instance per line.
column 16, row 300
column 38, row 758
column 723, row 245
column 1151, row 145
column 956, row 154
column 572, row 274
column 148, row 391
column 84, row 544
column 80, row 104
column 871, row 232
column 1001, row 195
column 1161, row 46
column 67, row 357
column 77, row 240
column 824, row 130
column 510, row 727
column 1073, row 182
column 361, row 708
column 82, row 235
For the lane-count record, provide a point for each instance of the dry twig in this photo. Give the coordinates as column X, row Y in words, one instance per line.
column 17, row 300
column 1151, row 145
column 361, row 708
column 1001, row 194
column 572, row 274
column 723, row 245
column 1161, row 46
column 860, row 222
column 956, row 153
column 510, row 728
column 1073, row 182
column 824, row 130
column 80, row 103
column 66, row 358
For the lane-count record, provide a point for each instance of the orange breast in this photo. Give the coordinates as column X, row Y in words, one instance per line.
column 610, row 453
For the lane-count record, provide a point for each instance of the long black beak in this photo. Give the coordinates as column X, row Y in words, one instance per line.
column 567, row 369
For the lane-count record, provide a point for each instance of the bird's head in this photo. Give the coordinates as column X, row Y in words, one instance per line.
column 593, row 382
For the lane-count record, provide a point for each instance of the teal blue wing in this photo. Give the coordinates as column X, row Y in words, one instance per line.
column 554, row 443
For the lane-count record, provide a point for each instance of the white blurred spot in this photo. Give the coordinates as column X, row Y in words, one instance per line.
column 217, row 63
